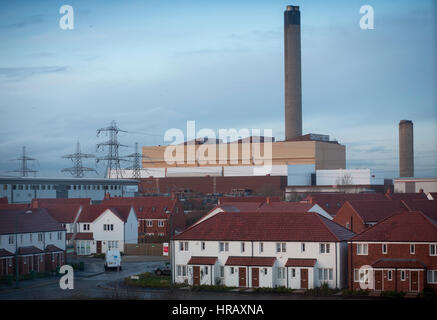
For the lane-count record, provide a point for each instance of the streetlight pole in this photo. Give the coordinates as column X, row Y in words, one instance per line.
column 16, row 249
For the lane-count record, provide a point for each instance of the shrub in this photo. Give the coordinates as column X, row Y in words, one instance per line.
column 323, row 290
column 428, row 293
column 356, row 292
column 393, row 294
column 7, row 279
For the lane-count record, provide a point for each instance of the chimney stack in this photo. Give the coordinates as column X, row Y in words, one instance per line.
column 406, row 153
column 292, row 63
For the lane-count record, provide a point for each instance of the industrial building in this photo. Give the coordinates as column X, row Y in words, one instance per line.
column 24, row 189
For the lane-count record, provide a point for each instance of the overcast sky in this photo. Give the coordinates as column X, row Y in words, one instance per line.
column 153, row 65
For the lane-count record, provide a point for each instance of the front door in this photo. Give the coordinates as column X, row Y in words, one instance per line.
column 196, row 275
column 255, row 277
column 99, row 247
column 242, row 277
column 414, row 281
column 378, row 280
column 304, row 278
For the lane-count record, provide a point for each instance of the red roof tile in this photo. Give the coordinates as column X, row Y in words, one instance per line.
column 332, row 202
column 53, row 248
column 146, row 207
column 301, row 263
column 266, row 226
column 251, row 261
column 203, row 260
column 4, row 200
column 406, row 226
column 26, row 221
column 14, row 206
column 223, row 200
column 407, row 196
column 5, row 253
column 376, row 210
column 286, row 207
column 398, row 263
column 44, row 202
column 428, row 207
column 81, row 236
column 29, row 250
column 64, row 213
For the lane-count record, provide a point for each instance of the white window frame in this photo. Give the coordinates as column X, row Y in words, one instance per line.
column 433, row 247
column 389, row 275
column 302, row 247
column 412, row 246
column 149, row 223
column 326, row 274
column 432, row 276
column 384, row 248
column 261, row 247
column 243, row 247
column 161, row 223
column 202, row 245
column 362, row 249
column 281, row 273
column 403, row 275
column 222, row 271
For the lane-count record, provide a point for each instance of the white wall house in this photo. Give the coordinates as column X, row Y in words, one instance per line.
column 262, row 250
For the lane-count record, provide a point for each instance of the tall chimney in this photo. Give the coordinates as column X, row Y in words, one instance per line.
column 406, row 153
column 293, row 87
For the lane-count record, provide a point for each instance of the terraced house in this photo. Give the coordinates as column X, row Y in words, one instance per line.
column 30, row 240
column 397, row 254
column 262, row 249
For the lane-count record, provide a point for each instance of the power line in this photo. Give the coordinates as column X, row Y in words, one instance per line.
column 24, row 169
column 113, row 159
column 78, row 169
column 137, row 158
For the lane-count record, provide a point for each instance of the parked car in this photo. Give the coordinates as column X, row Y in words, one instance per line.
column 165, row 270
column 113, row 259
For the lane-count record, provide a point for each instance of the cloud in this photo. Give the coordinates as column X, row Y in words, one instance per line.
column 31, row 20
column 22, row 73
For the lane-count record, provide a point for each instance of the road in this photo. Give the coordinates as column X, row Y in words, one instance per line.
column 95, row 283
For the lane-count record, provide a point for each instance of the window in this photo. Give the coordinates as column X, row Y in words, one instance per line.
column 324, row 248
column 362, row 249
column 281, row 273
column 433, row 249
column 59, row 235
column 389, row 275
column 183, row 246
column 223, row 246
column 161, row 223
column 86, row 227
column 30, row 238
column 432, row 276
column 243, row 247
column 206, row 270
column 222, row 272
column 11, row 239
column 281, row 247
column 402, row 275
column 261, row 247
column 265, row 271
column 181, row 270
column 108, row 227
column 232, row 270
column 348, row 226
column 202, row 245
column 361, row 275
column 325, row 274
column 384, row 248
column 412, row 248
column 293, row 273
column 149, row 223
column 40, row 237
column 302, row 247
column 21, row 238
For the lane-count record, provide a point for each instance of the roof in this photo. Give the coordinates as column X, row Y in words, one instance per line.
column 4, row 200
column 406, row 226
column 398, row 263
column 43, row 203
column 376, row 210
column 53, row 248
column 26, row 221
column 145, row 207
column 407, row 196
column 223, row 200
column 433, row 195
column 251, row 261
column 240, row 206
column 266, row 226
column 203, row 260
column 332, row 202
column 63, row 213
column 428, row 207
column 29, row 250
column 5, row 253
column 81, row 236
column 286, row 207
column 301, row 263
column 14, row 206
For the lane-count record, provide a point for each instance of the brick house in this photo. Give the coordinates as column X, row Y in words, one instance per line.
column 34, row 238
column 262, row 249
column 402, row 252
column 155, row 214
column 332, row 202
column 358, row 215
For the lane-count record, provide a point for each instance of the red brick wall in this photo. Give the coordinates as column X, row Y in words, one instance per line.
column 394, row 251
column 347, row 214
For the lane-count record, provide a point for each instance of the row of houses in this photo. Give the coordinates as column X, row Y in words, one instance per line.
column 278, row 244
column 113, row 223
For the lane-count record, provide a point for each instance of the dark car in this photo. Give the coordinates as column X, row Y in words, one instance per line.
column 165, row 270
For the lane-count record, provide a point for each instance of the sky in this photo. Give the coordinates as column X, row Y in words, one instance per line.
column 153, row 65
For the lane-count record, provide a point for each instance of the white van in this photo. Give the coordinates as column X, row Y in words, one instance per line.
column 112, row 259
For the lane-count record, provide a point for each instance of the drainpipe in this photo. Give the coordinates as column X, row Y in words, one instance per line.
column 336, row 266
column 287, row 277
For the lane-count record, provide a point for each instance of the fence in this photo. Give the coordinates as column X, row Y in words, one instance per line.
column 144, row 249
